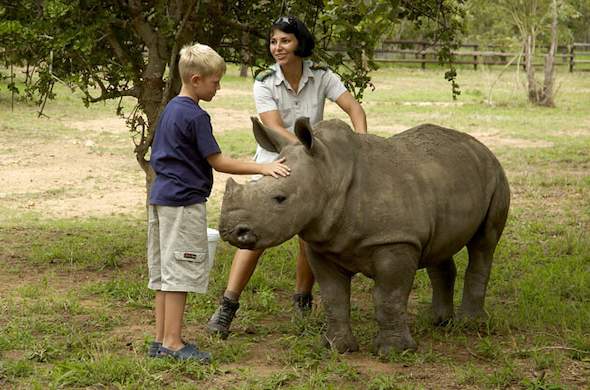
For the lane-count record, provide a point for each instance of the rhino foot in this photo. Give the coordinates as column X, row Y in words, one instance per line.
column 342, row 343
column 442, row 320
column 385, row 342
column 442, row 314
column 472, row 315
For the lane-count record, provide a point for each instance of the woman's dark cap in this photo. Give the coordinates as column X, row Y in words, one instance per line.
column 292, row 25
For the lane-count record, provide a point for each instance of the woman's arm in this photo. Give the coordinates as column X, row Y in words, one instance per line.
column 273, row 120
column 354, row 110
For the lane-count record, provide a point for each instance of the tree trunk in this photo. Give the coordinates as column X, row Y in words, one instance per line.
column 529, row 50
column 549, row 82
column 150, row 100
column 245, row 54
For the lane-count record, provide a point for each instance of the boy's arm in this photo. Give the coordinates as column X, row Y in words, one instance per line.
column 225, row 164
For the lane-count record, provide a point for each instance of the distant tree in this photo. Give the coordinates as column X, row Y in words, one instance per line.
column 488, row 24
column 532, row 17
column 111, row 49
column 578, row 21
column 530, row 26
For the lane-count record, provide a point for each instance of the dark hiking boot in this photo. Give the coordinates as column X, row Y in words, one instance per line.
column 221, row 320
column 303, row 303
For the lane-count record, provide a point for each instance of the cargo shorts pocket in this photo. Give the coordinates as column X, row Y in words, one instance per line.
column 192, row 270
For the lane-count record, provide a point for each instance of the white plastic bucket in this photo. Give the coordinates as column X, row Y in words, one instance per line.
column 212, row 238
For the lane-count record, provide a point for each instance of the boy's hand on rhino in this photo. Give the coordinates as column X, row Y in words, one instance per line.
column 276, row 169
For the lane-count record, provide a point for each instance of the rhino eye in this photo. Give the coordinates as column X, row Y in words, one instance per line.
column 279, row 199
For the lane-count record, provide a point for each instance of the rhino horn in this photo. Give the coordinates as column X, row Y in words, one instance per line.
column 303, row 132
column 268, row 138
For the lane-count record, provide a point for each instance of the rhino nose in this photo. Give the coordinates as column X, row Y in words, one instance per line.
column 244, row 236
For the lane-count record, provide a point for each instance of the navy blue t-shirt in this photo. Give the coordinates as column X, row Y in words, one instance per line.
column 183, row 141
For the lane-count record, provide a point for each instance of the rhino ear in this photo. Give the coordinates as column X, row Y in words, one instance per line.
column 230, row 186
column 269, row 139
column 303, row 132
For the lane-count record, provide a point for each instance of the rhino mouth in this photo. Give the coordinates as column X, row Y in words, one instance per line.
column 241, row 236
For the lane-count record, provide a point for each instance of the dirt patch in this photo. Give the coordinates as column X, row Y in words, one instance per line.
column 495, row 139
column 79, row 177
column 71, row 179
column 433, row 104
column 223, row 119
column 490, row 139
column 111, row 125
column 229, row 92
column 572, row 133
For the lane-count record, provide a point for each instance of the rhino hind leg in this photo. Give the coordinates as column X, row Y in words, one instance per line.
column 481, row 254
column 442, row 277
column 476, row 281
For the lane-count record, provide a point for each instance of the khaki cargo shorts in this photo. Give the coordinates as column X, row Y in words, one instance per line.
column 178, row 258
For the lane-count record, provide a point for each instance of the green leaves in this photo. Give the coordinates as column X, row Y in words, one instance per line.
column 117, row 44
column 58, row 9
column 110, row 49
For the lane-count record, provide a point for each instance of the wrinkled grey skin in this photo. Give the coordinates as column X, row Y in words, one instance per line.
column 382, row 207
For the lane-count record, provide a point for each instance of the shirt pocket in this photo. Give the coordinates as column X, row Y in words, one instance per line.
column 191, row 256
column 286, row 110
column 310, row 105
column 311, row 108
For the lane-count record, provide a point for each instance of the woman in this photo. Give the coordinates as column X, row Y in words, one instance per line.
column 289, row 89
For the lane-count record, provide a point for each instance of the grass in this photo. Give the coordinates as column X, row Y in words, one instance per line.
column 76, row 313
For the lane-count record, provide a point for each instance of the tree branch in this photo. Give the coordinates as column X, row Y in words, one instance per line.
column 242, row 27
column 141, row 26
column 172, row 63
column 117, row 48
column 107, row 95
column 432, row 15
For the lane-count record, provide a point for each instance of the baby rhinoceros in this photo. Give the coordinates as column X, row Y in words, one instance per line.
column 384, row 207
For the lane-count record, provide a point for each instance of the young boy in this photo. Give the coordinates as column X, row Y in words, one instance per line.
column 184, row 152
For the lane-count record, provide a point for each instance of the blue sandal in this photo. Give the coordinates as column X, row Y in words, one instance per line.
column 188, row 352
column 154, row 348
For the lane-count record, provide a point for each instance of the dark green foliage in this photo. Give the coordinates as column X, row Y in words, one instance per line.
column 111, row 49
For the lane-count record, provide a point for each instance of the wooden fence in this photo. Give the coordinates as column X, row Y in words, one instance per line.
column 575, row 56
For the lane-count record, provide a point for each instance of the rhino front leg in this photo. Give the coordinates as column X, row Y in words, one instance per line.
column 334, row 282
column 395, row 269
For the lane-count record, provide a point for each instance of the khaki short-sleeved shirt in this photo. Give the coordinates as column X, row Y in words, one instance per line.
column 273, row 92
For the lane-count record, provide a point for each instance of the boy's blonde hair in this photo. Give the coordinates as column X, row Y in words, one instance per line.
column 199, row 59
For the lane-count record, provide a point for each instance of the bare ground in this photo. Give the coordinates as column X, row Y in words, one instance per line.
column 76, row 178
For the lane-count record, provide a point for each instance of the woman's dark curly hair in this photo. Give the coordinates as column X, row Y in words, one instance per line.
column 292, row 25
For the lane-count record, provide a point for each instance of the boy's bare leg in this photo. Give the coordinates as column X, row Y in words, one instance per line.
column 174, row 312
column 304, row 278
column 242, row 268
column 160, row 311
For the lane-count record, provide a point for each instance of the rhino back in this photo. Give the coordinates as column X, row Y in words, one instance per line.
column 429, row 187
